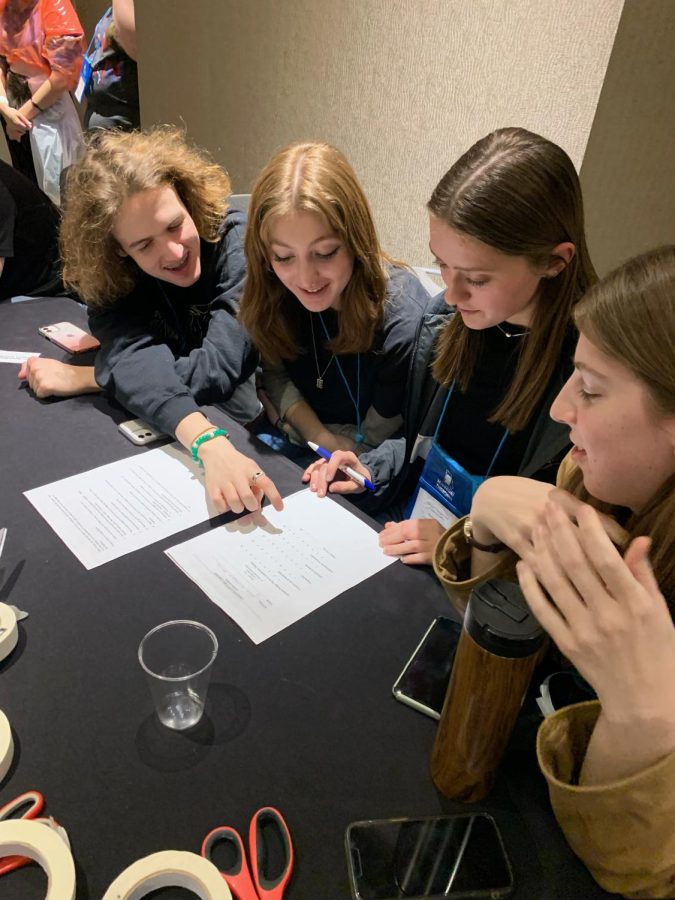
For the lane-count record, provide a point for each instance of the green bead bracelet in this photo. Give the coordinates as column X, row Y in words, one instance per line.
column 202, row 439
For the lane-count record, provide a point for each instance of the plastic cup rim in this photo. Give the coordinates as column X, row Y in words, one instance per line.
column 178, row 678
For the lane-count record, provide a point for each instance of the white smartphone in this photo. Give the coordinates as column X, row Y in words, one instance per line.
column 69, row 337
column 139, row 432
column 424, row 680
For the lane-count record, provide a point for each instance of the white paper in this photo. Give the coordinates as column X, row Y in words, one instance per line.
column 109, row 511
column 428, row 507
column 15, row 356
column 269, row 569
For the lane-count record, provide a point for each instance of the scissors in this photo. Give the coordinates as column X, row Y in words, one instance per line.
column 268, row 831
column 34, row 801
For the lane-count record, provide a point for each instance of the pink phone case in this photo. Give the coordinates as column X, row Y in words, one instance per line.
column 69, row 337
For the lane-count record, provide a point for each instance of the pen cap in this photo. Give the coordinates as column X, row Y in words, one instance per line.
column 499, row 620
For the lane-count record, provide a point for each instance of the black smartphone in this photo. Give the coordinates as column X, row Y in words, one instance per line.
column 424, row 680
column 561, row 689
column 456, row 857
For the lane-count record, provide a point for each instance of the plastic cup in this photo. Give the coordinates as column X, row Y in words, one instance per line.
column 177, row 658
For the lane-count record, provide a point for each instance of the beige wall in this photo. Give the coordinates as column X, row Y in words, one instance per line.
column 628, row 172
column 401, row 86
column 404, row 86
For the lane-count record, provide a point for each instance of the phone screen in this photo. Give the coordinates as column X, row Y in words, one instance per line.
column 448, row 856
column 423, row 682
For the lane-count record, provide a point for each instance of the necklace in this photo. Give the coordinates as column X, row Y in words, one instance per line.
column 511, row 334
column 319, row 373
column 356, row 403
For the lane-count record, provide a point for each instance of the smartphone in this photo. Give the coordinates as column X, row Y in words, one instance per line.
column 69, row 337
column 461, row 856
column 561, row 689
column 139, row 432
column 424, row 680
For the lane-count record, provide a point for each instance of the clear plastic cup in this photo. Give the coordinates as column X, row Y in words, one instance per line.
column 177, row 658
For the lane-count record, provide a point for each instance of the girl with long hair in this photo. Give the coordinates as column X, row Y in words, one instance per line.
column 597, row 566
column 333, row 316
column 507, row 230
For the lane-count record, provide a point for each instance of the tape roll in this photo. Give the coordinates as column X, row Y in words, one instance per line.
column 25, row 838
column 9, row 630
column 6, row 745
column 170, row 868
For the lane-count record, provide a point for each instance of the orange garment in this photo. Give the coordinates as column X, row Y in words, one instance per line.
column 43, row 34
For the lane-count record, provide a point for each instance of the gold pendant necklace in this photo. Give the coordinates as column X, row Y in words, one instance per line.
column 319, row 373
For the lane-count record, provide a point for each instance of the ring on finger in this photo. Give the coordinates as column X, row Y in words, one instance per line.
column 256, row 475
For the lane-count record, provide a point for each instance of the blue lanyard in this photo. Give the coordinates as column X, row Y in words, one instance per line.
column 358, row 437
column 440, row 421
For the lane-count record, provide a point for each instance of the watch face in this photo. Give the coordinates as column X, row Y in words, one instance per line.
column 471, row 540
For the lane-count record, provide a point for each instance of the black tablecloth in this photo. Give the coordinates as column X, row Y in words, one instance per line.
column 304, row 721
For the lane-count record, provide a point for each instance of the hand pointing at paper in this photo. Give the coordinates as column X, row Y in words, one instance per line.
column 234, row 482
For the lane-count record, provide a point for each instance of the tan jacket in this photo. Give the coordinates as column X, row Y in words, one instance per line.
column 452, row 557
column 623, row 831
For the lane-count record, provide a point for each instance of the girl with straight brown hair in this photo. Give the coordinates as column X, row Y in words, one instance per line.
column 597, row 566
column 507, row 230
column 332, row 315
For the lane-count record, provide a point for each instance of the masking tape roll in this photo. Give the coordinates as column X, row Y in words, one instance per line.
column 6, row 745
column 169, row 868
column 9, row 630
column 22, row 837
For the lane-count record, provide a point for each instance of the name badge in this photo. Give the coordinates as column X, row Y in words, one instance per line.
column 448, row 483
column 85, row 80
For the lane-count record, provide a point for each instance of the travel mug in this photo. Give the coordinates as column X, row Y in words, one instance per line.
column 497, row 653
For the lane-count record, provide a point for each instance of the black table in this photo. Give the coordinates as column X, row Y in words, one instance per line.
column 304, row 721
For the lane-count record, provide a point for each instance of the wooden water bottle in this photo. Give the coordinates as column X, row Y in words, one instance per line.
column 498, row 650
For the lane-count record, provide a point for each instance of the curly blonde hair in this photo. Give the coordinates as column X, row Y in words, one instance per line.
column 314, row 177
column 115, row 166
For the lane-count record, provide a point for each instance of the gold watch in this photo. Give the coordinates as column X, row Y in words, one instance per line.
column 472, row 542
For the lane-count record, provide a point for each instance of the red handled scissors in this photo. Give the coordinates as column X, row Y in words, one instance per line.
column 34, row 801
column 271, row 854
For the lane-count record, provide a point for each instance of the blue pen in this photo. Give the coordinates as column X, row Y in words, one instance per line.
column 351, row 473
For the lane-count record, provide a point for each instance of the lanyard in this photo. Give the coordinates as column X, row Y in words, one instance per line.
column 440, row 422
column 358, row 437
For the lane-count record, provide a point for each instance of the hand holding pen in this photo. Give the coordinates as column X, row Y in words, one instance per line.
column 322, row 475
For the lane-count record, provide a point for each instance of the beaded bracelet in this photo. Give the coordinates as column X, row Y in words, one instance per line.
column 202, row 439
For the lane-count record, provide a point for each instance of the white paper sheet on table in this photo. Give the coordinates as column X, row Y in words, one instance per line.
column 269, row 569
column 120, row 507
column 15, row 356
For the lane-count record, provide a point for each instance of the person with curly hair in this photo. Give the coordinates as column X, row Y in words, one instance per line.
column 149, row 244
column 333, row 316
